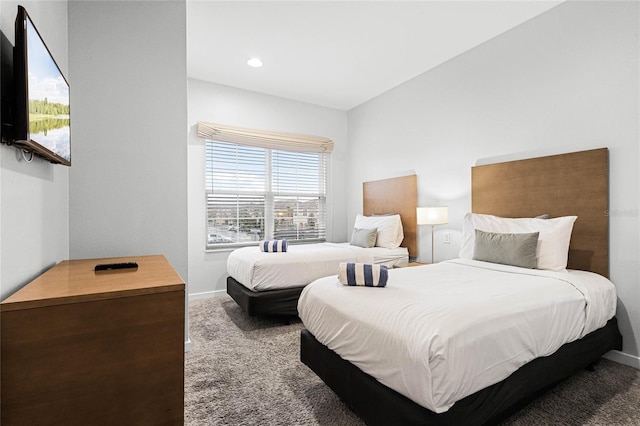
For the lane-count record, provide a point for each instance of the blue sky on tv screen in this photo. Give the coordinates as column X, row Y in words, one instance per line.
column 45, row 80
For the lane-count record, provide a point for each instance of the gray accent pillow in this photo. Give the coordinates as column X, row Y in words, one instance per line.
column 364, row 237
column 508, row 249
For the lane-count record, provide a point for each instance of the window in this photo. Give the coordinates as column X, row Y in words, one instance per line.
column 256, row 193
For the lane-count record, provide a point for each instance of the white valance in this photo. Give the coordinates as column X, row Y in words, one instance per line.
column 263, row 138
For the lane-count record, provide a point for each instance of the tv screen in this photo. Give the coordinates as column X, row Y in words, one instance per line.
column 42, row 99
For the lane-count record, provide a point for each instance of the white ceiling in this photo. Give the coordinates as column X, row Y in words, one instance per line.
column 338, row 54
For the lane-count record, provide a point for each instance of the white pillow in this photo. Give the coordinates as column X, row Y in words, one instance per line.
column 390, row 232
column 553, row 242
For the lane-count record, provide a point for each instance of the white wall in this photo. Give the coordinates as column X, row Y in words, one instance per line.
column 34, row 197
column 567, row 80
column 226, row 105
column 128, row 181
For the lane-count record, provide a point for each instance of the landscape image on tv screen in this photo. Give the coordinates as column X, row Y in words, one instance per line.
column 49, row 123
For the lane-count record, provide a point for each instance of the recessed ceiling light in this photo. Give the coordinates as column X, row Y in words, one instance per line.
column 254, row 62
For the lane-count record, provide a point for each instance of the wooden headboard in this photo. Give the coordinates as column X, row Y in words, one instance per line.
column 574, row 184
column 395, row 195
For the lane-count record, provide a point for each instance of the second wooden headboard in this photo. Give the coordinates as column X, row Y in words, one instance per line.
column 574, row 184
column 395, row 195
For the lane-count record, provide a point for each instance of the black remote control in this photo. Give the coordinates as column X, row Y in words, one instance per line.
column 112, row 266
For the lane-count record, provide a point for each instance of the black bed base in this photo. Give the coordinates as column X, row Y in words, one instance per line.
column 377, row 404
column 282, row 302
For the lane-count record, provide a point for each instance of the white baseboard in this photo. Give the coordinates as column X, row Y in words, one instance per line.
column 623, row 358
column 187, row 345
column 207, row 294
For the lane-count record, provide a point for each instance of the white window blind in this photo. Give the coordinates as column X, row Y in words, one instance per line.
column 263, row 138
column 256, row 193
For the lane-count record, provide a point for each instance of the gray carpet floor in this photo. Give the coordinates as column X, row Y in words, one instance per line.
column 246, row 371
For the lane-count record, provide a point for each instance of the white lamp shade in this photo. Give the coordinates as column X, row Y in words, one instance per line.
column 432, row 215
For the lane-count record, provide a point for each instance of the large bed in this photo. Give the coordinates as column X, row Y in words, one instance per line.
column 469, row 341
column 265, row 283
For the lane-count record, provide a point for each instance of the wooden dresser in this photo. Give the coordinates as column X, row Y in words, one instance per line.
column 80, row 347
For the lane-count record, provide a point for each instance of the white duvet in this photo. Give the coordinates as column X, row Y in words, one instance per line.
column 438, row 333
column 302, row 263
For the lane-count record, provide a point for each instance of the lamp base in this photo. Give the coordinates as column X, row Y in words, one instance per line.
column 432, row 243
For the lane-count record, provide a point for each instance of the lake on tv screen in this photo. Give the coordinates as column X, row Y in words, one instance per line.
column 53, row 134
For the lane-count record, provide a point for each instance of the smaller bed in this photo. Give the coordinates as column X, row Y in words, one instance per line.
column 272, row 282
column 264, row 283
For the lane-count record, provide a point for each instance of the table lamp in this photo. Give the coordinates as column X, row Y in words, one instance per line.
column 432, row 216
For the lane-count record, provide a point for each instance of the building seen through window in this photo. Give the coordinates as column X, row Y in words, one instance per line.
column 257, row 193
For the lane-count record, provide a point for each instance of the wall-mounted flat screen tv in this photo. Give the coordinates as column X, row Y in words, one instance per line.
column 42, row 115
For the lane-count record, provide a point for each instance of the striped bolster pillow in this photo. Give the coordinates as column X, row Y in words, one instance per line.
column 364, row 274
column 273, row 246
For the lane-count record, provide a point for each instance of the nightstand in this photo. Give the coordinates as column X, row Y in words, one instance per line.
column 406, row 265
